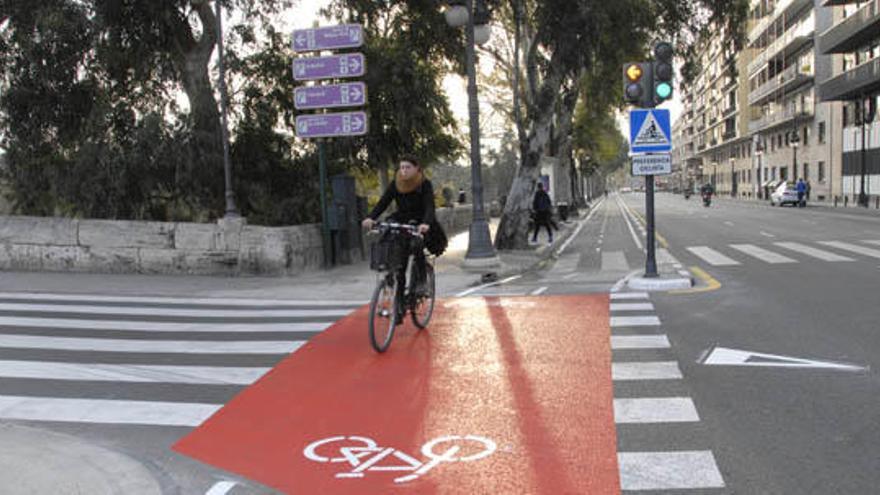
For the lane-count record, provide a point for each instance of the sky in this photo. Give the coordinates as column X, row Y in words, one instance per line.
column 304, row 14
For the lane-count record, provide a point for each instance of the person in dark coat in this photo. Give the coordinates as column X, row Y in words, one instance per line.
column 543, row 208
column 413, row 194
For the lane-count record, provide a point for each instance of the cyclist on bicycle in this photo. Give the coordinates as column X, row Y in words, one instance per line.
column 413, row 194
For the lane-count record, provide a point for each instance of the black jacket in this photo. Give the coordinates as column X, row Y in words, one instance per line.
column 415, row 206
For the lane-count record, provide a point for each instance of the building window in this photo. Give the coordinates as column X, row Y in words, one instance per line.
column 821, row 132
column 806, row 135
column 806, row 171
column 821, row 172
column 773, row 173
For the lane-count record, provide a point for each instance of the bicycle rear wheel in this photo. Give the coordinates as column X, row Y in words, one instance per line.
column 424, row 303
column 383, row 307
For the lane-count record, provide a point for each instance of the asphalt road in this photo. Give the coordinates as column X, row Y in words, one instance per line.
column 778, row 343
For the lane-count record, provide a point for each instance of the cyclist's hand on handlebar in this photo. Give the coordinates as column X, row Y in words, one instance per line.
column 368, row 223
column 424, row 228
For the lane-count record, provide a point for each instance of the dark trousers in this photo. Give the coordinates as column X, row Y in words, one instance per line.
column 801, row 199
column 542, row 219
column 418, row 274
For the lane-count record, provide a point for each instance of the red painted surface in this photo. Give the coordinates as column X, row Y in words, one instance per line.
column 533, row 374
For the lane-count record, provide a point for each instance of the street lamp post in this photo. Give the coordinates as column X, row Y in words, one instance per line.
column 480, row 252
column 863, row 197
column 759, row 151
column 231, row 210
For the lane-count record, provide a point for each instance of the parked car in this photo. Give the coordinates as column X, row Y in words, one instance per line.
column 785, row 193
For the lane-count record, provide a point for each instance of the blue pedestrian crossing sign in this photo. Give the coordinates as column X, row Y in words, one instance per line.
column 650, row 131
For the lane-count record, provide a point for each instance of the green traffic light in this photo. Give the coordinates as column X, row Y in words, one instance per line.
column 663, row 90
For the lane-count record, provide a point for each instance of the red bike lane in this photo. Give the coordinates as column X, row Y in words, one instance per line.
column 499, row 395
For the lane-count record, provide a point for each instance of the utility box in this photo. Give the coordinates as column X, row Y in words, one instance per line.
column 344, row 221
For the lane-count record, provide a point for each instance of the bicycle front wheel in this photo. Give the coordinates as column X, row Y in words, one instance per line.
column 383, row 307
column 424, row 303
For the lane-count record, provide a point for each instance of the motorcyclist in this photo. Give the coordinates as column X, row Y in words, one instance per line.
column 707, row 190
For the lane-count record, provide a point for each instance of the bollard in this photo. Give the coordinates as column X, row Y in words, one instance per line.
column 835, row 201
column 877, row 202
column 845, row 201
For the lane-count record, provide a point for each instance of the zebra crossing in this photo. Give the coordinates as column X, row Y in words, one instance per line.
column 777, row 253
column 636, row 342
column 136, row 360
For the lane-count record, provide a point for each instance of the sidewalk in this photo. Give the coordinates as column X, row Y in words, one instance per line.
column 353, row 282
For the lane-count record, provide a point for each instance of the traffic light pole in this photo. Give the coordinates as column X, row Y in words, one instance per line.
column 650, row 259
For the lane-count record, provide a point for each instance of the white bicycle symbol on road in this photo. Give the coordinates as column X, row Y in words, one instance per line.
column 364, row 454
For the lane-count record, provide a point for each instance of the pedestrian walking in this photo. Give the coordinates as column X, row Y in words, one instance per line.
column 543, row 210
column 801, row 192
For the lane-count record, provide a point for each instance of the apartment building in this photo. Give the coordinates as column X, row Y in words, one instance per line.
column 764, row 122
column 854, row 42
column 713, row 143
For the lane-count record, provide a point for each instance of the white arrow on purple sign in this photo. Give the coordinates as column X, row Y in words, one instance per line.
column 330, row 96
column 334, row 66
column 328, row 38
column 331, row 125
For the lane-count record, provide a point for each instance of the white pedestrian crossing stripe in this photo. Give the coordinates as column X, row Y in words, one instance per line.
column 762, row 254
column 811, row 251
column 669, row 470
column 712, row 256
column 655, row 410
column 845, row 246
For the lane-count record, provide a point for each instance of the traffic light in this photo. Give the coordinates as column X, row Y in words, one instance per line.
column 636, row 82
column 662, row 72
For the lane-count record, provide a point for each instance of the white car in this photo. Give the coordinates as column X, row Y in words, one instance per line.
column 785, row 193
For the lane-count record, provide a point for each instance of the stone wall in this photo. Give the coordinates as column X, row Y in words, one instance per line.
column 229, row 247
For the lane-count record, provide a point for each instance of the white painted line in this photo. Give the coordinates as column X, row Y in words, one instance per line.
column 105, row 411
column 629, row 224
column 684, row 273
column 538, row 291
column 150, row 346
column 176, row 300
column 629, row 295
column 579, row 227
column 728, row 223
column 639, row 342
column 765, row 234
column 159, row 326
column 142, row 311
column 668, row 470
column 137, row 373
column 484, row 286
column 811, row 251
column 632, row 306
column 662, row 370
column 570, row 275
column 762, row 254
column 711, row 256
column 875, row 242
column 614, row 261
column 634, row 321
column 720, row 356
column 865, row 251
column 221, row 488
column 655, row 410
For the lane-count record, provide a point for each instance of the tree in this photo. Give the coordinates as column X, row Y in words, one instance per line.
column 563, row 41
column 89, row 88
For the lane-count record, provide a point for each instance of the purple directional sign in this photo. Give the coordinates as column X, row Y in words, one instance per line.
column 328, row 38
column 330, row 96
column 347, row 65
column 331, row 125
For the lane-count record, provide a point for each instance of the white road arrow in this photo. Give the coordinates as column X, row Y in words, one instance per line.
column 720, row 356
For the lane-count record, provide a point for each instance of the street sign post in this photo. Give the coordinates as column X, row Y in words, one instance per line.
column 650, row 131
column 328, row 38
column 331, row 125
column 652, row 164
column 330, row 96
column 329, row 67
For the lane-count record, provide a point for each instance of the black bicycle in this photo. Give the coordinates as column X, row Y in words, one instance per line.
column 398, row 244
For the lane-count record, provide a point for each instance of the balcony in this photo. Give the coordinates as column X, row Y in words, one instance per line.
column 852, row 83
column 853, row 32
column 789, row 80
column 787, row 45
column 784, row 6
column 783, row 117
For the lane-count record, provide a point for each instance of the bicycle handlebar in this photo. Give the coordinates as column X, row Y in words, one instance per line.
column 384, row 226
